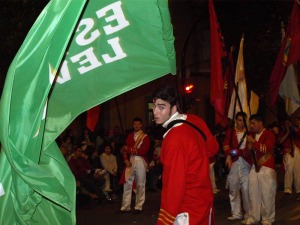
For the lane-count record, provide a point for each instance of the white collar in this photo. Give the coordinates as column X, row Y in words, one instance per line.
column 175, row 116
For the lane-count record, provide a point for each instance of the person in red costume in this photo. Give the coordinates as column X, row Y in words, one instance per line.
column 262, row 180
column 238, row 161
column 135, row 153
column 187, row 196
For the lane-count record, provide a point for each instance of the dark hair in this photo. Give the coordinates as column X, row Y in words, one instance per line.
column 242, row 114
column 167, row 93
column 137, row 119
column 256, row 117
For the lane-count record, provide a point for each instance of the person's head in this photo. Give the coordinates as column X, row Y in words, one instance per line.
column 240, row 117
column 164, row 103
column 137, row 124
column 256, row 123
column 77, row 151
column 107, row 149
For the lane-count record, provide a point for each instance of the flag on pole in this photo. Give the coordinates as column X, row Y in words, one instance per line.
column 110, row 53
column 108, row 58
column 289, row 53
column 217, row 50
column 228, row 85
column 288, row 90
column 92, row 117
column 240, row 82
column 254, row 103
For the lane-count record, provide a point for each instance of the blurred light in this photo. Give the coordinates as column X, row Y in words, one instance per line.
column 188, row 88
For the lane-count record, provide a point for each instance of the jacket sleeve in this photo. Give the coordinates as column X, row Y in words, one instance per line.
column 226, row 143
column 174, row 172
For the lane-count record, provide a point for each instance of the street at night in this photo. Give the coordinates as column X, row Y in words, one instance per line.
column 287, row 209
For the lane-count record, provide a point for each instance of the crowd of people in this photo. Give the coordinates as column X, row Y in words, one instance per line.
column 106, row 164
column 116, row 165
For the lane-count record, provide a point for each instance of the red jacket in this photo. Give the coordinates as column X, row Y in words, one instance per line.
column 186, row 182
column 231, row 138
column 142, row 151
column 266, row 142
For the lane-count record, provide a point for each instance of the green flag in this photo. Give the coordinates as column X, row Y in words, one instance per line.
column 117, row 46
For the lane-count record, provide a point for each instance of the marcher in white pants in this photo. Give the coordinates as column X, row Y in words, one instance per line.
column 138, row 175
column 292, row 171
column 238, row 161
column 135, row 151
column 262, row 180
column 239, row 188
column 262, row 191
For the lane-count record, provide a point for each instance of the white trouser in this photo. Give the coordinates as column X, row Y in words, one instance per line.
column 238, row 184
column 107, row 182
column 262, row 191
column 139, row 176
column 212, row 176
column 292, row 171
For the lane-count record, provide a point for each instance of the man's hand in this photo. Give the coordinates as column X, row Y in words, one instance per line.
column 229, row 161
column 128, row 163
column 250, row 139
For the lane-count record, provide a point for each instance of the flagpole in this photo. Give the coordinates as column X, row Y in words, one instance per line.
column 245, row 124
column 119, row 114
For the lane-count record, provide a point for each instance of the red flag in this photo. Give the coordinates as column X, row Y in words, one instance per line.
column 92, row 117
column 289, row 53
column 228, row 86
column 217, row 52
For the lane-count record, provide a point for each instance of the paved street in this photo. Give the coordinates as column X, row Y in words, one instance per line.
column 287, row 210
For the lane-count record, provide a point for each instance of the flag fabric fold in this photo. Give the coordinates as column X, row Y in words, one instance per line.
column 241, row 86
column 114, row 61
column 25, row 172
column 254, row 103
column 217, row 53
column 289, row 53
column 288, row 90
column 228, row 85
column 46, row 87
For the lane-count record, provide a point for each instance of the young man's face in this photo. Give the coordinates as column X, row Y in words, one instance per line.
column 137, row 126
column 162, row 111
column 256, row 126
column 240, row 122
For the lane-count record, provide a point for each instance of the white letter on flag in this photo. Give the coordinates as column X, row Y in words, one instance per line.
column 90, row 57
column 117, row 49
column 88, row 23
column 118, row 15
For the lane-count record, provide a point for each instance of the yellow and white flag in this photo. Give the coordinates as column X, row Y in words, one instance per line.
column 240, row 82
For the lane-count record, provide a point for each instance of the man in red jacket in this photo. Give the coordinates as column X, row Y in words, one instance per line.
column 262, row 180
column 135, row 152
column 187, row 195
column 239, row 163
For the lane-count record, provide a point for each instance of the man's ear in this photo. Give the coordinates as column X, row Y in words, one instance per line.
column 174, row 109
